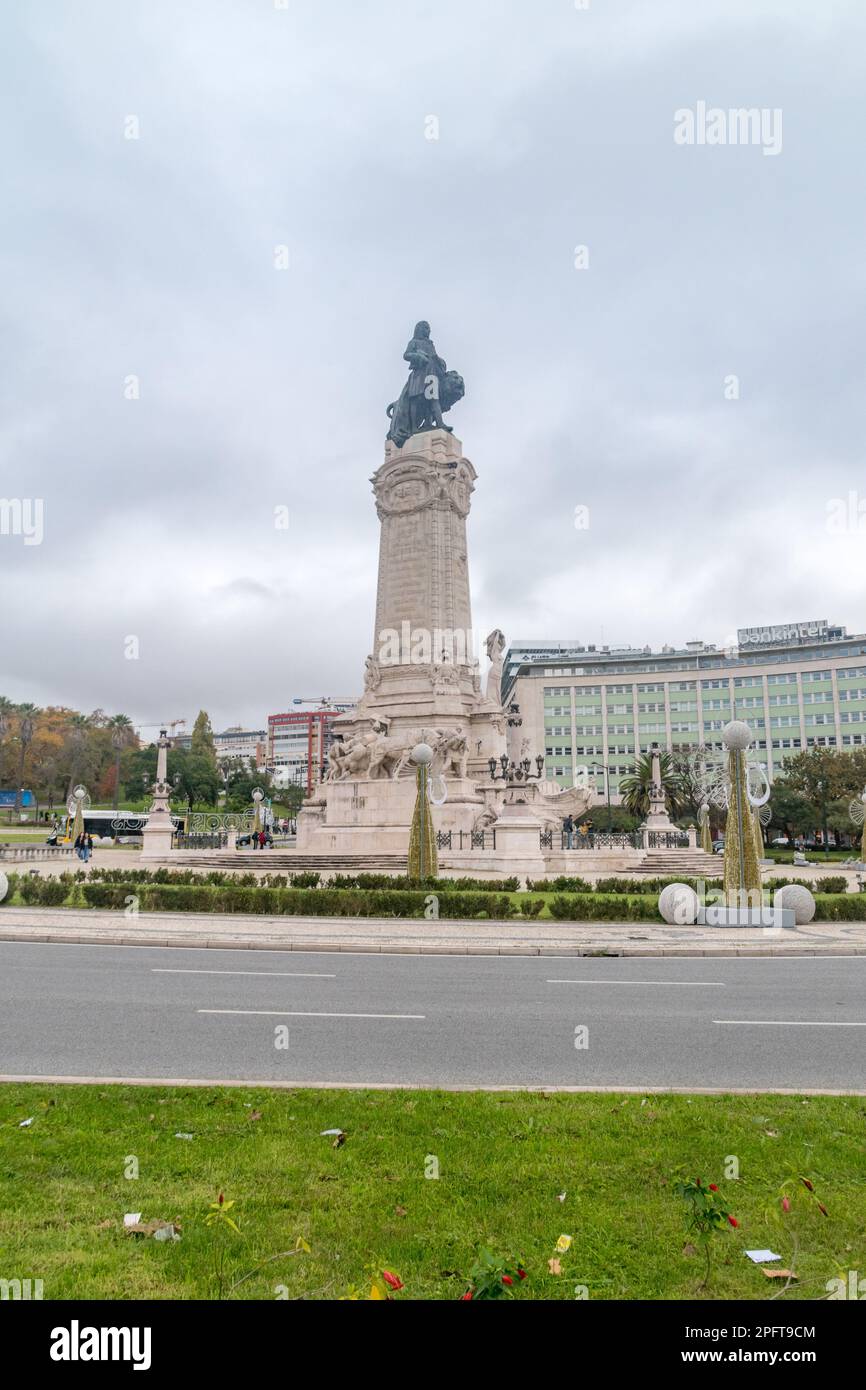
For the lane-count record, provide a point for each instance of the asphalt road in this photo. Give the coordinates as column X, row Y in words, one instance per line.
column 177, row 1013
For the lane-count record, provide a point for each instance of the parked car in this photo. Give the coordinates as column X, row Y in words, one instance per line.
column 780, row 840
column 718, row 846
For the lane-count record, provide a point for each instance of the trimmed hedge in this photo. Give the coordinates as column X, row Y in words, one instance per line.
column 595, row 907
column 199, row 897
column 313, row 902
column 833, row 883
column 840, row 907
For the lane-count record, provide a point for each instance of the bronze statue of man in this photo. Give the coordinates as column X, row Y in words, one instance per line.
column 429, row 390
column 428, row 370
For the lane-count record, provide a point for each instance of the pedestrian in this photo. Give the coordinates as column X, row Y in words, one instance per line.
column 262, row 839
column 79, row 845
column 88, row 846
column 568, row 831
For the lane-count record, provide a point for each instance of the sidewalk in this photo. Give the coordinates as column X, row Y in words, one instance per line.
column 416, row 937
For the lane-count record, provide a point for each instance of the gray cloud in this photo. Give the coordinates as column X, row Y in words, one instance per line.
column 262, row 388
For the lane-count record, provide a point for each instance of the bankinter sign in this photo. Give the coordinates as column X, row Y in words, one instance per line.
column 782, row 632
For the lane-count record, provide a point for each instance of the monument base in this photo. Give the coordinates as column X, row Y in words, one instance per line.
column 372, row 815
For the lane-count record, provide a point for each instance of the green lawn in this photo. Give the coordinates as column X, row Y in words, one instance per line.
column 503, row 1159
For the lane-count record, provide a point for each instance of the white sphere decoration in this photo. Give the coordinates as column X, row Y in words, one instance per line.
column 4, row 885
column 422, row 754
column 736, row 735
column 678, row 905
column 796, row 899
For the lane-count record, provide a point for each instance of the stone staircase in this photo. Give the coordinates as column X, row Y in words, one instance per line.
column 679, row 863
column 275, row 862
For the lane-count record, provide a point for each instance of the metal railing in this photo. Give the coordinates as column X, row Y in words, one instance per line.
column 466, row 839
column 198, row 840
column 667, row 839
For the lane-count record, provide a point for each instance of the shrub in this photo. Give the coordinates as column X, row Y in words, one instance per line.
column 531, row 907
column 840, row 907
column 53, row 892
column 595, row 907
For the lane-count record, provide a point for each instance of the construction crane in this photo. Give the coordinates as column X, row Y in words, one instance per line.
column 170, row 724
column 326, row 701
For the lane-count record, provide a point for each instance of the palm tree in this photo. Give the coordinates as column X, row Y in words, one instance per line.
column 121, row 737
column 635, row 788
column 79, row 728
column 7, row 709
column 26, row 723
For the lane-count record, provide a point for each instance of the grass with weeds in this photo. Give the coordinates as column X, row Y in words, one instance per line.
column 503, row 1159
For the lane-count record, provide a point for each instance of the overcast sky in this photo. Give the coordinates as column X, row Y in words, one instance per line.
column 601, row 387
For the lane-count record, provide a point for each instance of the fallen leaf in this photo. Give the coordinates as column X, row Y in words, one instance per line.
column 554, row 1266
column 779, row 1273
column 689, row 1249
column 339, row 1141
column 171, row 1229
column 256, row 1115
column 104, row 1225
column 771, row 1133
column 400, row 1211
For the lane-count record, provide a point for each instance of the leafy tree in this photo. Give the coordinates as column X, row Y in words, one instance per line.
column 197, row 778
column 202, row 744
column 822, row 776
column 240, row 785
column 122, row 736
column 25, row 718
column 790, row 810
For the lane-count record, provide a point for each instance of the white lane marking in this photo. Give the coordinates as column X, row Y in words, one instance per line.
column 299, row 1013
column 690, row 984
column 280, row 974
column 789, row 1023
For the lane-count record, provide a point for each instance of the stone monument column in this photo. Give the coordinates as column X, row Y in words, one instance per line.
column 157, row 833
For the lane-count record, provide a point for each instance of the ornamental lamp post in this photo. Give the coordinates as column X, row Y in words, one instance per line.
column 422, row 848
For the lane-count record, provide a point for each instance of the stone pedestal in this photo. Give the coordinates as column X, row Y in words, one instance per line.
column 157, row 834
column 422, row 679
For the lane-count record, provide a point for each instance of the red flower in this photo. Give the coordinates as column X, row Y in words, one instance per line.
column 733, row 1220
column 507, row 1279
column 465, row 1297
column 221, row 1199
column 391, row 1280
column 713, row 1187
column 786, row 1203
column 806, row 1183
column 521, row 1272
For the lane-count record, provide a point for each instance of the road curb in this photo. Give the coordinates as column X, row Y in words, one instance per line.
column 198, row 941
column 279, row 1085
